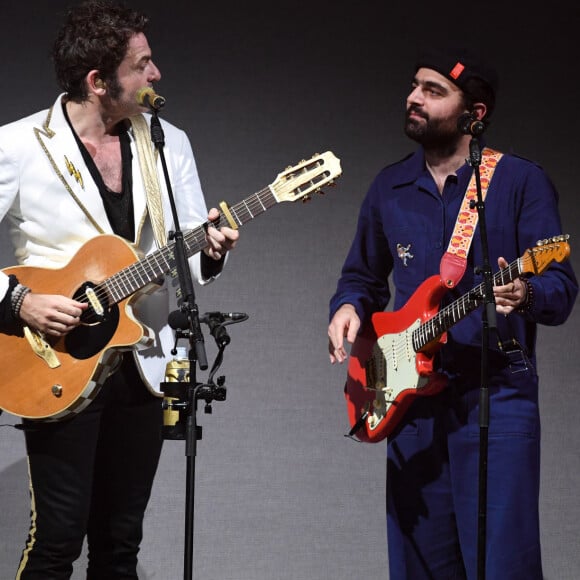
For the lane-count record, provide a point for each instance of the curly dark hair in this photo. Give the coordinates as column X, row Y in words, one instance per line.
column 94, row 35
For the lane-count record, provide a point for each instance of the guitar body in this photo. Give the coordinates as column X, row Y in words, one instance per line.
column 42, row 379
column 385, row 374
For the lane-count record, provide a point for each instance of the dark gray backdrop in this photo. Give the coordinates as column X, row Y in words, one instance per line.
column 280, row 493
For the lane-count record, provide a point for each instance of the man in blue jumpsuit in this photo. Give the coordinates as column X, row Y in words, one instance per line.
column 405, row 224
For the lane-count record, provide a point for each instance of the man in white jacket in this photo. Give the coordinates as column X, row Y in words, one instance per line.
column 67, row 175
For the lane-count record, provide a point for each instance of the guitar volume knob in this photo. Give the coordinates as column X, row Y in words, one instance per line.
column 56, row 390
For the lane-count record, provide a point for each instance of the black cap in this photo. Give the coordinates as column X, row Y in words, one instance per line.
column 459, row 65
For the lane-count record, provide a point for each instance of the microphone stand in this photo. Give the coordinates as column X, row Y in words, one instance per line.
column 489, row 323
column 197, row 353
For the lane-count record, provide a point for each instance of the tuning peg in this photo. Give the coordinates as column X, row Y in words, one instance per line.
column 306, row 199
column 553, row 239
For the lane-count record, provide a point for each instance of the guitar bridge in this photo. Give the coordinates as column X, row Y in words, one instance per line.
column 41, row 348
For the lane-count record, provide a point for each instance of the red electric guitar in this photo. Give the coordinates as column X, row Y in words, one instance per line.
column 391, row 361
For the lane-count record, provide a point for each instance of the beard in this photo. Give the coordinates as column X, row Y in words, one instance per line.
column 431, row 133
column 122, row 102
column 114, row 88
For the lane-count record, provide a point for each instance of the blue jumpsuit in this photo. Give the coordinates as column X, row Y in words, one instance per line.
column 403, row 230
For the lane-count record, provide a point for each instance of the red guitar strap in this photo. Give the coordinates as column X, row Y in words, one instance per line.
column 454, row 261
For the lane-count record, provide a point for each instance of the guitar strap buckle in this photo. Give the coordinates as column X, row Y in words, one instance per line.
column 517, row 358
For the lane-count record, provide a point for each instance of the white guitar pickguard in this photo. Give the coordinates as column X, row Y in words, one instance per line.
column 392, row 370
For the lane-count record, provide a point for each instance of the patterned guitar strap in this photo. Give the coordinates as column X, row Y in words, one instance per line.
column 148, row 167
column 454, row 261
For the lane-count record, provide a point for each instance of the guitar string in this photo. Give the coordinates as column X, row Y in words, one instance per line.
column 452, row 313
column 445, row 318
column 432, row 328
column 252, row 206
column 449, row 315
column 116, row 286
column 119, row 286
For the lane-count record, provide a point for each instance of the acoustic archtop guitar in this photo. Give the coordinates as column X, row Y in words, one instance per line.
column 41, row 378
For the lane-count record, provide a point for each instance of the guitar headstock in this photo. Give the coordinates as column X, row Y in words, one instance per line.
column 535, row 260
column 307, row 177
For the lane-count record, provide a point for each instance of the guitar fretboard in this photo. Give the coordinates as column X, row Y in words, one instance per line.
column 454, row 312
column 150, row 268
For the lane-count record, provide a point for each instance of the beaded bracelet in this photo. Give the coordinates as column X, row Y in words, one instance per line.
column 528, row 304
column 17, row 297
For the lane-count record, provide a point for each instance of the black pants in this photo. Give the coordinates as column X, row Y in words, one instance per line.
column 92, row 476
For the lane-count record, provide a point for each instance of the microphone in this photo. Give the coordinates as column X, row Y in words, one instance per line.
column 178, row 320
column 147, row 97
column 235, row 316
column 469, row 124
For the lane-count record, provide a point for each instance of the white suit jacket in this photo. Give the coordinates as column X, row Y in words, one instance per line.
column 53, row 207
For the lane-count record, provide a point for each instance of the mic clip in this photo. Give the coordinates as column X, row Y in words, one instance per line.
column 469, row 124
column 217, row 321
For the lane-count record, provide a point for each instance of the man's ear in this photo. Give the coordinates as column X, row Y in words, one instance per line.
column 95, row 83
column 479, row 110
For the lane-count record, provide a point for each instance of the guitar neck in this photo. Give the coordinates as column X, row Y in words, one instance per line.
column 150, row 268
column 451, row 314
